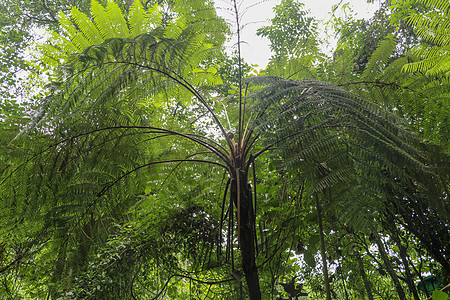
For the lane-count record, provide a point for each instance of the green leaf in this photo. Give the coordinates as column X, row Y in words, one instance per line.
column 313, row 241
column 212, row 70
column 439, row 295
column 309, row 259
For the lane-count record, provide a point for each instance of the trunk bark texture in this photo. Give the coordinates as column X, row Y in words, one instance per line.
column 241, row 194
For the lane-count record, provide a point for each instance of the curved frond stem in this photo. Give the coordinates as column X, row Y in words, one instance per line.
column 184, row 83
column 252, row 161
column 209, row 141
column 238, row 189
column 195, row 138
column 257, row 154
column 243, row 118
column 248, row 145
column 246, row 137
column 222, row 218
column 230, row 233
column 270, row 147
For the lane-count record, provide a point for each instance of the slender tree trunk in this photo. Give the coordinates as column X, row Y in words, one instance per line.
column 362, row 273
column 322, row 249
column 242, row 198
column 389, row 267
column 403, row 255
column 342, row 278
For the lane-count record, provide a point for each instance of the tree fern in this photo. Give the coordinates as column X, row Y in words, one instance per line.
column 112, row 84
column 110, row 135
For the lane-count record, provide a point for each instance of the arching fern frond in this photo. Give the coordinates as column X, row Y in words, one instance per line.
column 116, row 19
column 316, row 124
column 141, row 21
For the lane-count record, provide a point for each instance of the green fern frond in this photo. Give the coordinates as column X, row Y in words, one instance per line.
column 426, row 64
column 316, row 121
column 393, row 71
column 102, row 20
column 63, row 43
column 410, row 94
column 50, row 55
column 153, row 17
column 130, row 69
column 174, row 29
column 433, row 27
column 137, row 18
column 77, row 37
column 442, row 5
column 380, row 58
column 118, row 23
column 441, row 67
column 86, row 26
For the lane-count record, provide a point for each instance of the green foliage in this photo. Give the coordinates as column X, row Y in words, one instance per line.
column 293, row 39
column 420, row 99
column 433, row 26
column 362, row 37
column 19, row 21
column 380, row 59
column 79, row 32
column 339, row 133
column 126, row 185
column 174, row 50
column 439, row 295
column 291, row 29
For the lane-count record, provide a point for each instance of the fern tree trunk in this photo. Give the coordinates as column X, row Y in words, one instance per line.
column 241, row 195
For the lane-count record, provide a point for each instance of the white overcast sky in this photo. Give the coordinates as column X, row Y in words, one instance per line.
column 255, row 50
